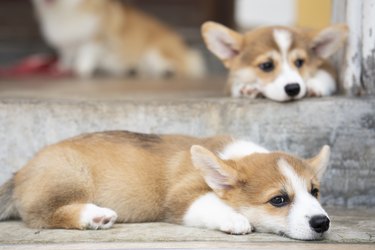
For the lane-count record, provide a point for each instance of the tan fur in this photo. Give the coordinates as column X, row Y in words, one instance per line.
column 132, row 174
column 126, row 36
column 257, row 181
column 259, row 42
column 143, row 178
column 237, row 42
column 130, row 33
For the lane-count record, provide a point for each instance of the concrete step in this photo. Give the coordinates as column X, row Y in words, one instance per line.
column 32, row 119
column 351, row 229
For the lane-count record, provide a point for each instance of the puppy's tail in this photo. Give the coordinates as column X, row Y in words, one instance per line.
column 8, row 208
column 195, row 65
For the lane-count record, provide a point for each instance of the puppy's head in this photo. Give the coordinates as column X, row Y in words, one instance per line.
column 274, row 61
column 277, row 192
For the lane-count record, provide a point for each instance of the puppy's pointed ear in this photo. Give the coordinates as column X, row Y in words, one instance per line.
column 222, row 41
column 215, row 172
column 320, row 162
column 329, row 40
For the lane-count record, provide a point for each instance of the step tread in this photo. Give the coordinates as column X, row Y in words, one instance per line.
column 348, row 226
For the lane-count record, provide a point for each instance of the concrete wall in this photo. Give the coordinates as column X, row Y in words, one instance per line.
column 358, row 70
column 346, row 124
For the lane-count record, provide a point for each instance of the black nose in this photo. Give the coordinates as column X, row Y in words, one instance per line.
column 292, row 89
column 320, row 223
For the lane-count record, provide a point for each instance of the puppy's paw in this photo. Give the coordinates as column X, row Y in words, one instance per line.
column 316, row 91
column 250, row 91
column 245, row 90
column 322, row 84
column 94, row 217
column 236, row 224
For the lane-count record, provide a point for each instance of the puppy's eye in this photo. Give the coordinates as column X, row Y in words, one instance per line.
column 299, row 63
column 279, row 201
column 315, row 192
column 267, row 67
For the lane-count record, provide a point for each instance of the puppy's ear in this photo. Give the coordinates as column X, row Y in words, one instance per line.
column 215, row 172
column 222, row 41
column 329, row 40
column 319, row 163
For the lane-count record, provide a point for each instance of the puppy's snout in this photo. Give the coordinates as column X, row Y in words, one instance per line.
column 319, row 223
column 292, row 89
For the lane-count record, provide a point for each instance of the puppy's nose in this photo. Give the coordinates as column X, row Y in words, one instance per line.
column 292, row 89
column 319, row 223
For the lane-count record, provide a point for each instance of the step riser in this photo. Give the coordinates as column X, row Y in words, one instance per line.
column 347, row 125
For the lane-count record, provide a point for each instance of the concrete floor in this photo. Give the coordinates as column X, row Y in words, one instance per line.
column 351, row 229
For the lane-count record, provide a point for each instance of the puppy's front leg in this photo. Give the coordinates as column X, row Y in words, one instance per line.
column 87, row 59
column 239, row 89
column 321, row 84
column 209, row 211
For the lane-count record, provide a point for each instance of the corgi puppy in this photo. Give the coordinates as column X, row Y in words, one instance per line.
column 279, row 63
column 108, row 36
column 94, row 180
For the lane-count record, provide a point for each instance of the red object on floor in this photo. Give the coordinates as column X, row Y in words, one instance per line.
column 35, row 65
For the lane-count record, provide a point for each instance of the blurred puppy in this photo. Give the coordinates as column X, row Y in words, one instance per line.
column 279, row 63
column 108, row 36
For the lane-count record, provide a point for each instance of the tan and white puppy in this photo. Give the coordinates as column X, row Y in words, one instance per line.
column 108, row 36
column 279, row 63
column 94, row 180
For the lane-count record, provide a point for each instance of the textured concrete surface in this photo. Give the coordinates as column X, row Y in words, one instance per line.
column 191, row 245
column 31, row 120
column 350, row 228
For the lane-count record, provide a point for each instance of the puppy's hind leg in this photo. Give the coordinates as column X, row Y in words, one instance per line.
column 83, row 216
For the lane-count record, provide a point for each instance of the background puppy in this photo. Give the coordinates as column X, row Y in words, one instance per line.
column 106, row 35
column 94, row 180
column 279, row 63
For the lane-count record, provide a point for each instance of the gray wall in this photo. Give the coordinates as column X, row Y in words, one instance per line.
column 302, row 128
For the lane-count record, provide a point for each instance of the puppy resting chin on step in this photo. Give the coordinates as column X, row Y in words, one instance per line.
column 277, row 62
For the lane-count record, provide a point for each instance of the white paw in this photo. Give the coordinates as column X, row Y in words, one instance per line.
column 250, row 91
column 94, row 217
column 322, row 84
column 315, row 89
column 245, row 90
column 236, row 224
